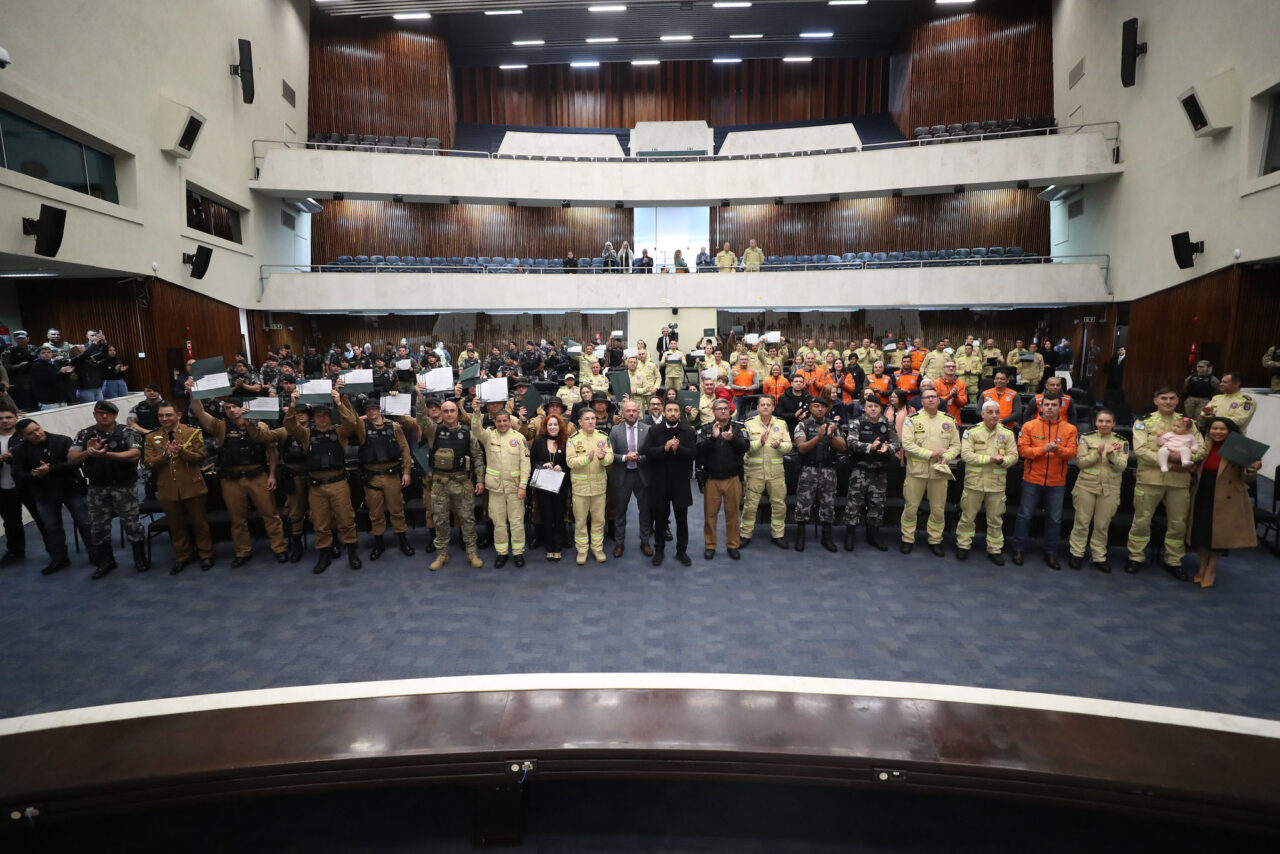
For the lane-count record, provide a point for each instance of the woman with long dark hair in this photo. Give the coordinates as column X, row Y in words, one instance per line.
column 547, row 452
column 1221, row 512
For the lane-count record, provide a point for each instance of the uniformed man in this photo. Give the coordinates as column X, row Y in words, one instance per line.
column 143, row 417
column 934, row 360
column 1014, row 357
column 597, row 381
column 641, row 383
column 1004, row 396
column 329, row 497
column 1032, row 369
column 647, row 366
column 992, row 358
column 506, row 478
column 743, row 381
column 1271, row 361
column 752, row 258
column 428, row 409
column 385, row 470
column 866, row 356
column 818, row 441
column 110, row 454
column 769, row 441
column 931, row 440
column 291, row 478
column 895, row 358
column 457, row 461
column 589, row 456
column 1101, row 459
column 1154, row 487
column 247, row 457
column 873, row 445
column 1052, row 385
column 989, row 450
column 815, row 376
column 175, row 453
column 1197, row 389
column 721, row 445
column 969, row 368
column 880, row 383
column 1231, row 403
column 951, row 390
column 673, row 366
column 726, row 261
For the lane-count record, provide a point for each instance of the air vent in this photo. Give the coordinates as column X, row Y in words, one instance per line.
column 288, row 220
column 1076, row 73
column 292, row 98
column 1075, row 209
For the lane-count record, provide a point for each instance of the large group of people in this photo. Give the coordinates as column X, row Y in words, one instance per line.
column 584, row 430
column 58, row 373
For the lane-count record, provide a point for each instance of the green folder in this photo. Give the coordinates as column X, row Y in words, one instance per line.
column 422, row 456
column 708, row 333
column 208, row 367
column 620, row 382
column 1242, row 450
column 687, row 399
column 738, row 330
column 531, row 401
column 470, row 377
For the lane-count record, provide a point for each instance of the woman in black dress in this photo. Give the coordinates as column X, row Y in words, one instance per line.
column 547, row 451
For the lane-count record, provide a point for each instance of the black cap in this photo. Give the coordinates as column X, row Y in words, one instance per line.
column 106, row 406
column 317, row 408
column 522, row 382
column 152, row 387
column 303, row 407
column 372, row 402
column 554, row 401
column 600, row 395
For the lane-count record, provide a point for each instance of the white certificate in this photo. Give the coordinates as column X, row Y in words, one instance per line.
column 773, row 337
column 494, row 390
column 599, row 352
column 437, row 379
column 629, row 352
column 316, row 391
column 357, row 381
column 214, row 385
column 404, row 365
column 751, row 339
column 263, row 408
column 548, row 480
column 397, row 404
column 675, row 357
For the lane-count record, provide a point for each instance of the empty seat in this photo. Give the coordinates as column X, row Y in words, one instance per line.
column 928, row 255
column 540, row 265
column 526, row 262
column 469, row 261
column 377, row 260
column 597, row 265
column 979, row 254
column 919, row 131
column 1013, row 254
column 385, row 144
column 773, row 262
column 499, row 261
column 878, row 259
column 484, row 261
column 433, row 142
column 392, row 260
column 345, row 259
column 924, row 137
column 422, row 264
column 864, row 257
column 962, row 256
column 454, row 263
column 361, row 260
column 895, row 259
column 952, row 128
column 789, row 262
column 804, row 260
column 990, row 124
column 417, row 142
column 368, row 139
column 402, row 142
column 913, row 257
column 997, row 253
column 555, row 265
column 833, row 260
column 937, row 129
column 971, row 127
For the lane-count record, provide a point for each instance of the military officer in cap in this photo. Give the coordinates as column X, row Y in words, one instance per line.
column 1198, row 388
column 385, row 470
column 329, row 496
column 989, row 450
column 143, row 416
column 1232, row 404
column 110, row 454
column 931, row 439
column 457, row 461
column 769, row 441
column 175, row 453
column 818, row 441
column 247, row 456
column 506, row 477
column 873, row 445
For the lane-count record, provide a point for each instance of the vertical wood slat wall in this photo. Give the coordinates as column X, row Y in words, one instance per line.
column 617, row 95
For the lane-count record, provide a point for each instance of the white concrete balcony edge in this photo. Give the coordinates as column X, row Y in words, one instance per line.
column 293, row 171
column 915, row 287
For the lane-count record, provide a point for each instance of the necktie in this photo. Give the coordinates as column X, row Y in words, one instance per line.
column 631, row 444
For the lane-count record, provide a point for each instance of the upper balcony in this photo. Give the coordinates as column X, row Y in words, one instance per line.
column 1065, row 155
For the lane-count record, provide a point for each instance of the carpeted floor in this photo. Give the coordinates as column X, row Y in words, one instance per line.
column 68, row 641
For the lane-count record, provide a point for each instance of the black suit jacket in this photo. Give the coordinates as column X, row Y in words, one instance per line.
column 670, row 472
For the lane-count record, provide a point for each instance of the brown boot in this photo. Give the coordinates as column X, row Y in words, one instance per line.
column 442, row 557
column 475, row 560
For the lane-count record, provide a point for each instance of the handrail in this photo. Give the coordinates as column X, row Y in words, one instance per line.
column 700, row 158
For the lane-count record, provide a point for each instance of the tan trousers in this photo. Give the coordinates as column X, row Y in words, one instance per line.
column 295, row 504
column 382, row 495
column 1095, row 509
column 971, row 501
column 776, row 488
column 239, row 493
column 188, row 511
column 506, row 509
column 729, row 491
column 591, row 506
column 1177, row 504
column 331, row 508
column 914, row 489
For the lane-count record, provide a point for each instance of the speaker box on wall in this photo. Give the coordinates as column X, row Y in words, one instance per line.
column 199, row 261
column 1185, row 249
column 1213, row 105
column 245, row 70
column 1130, row 50
column 181, row 127
column 47, row 229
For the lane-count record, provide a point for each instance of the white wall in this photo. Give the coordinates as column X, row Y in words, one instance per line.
column 1173, row 181
column 790, row 139
column 561, row 144
column 106, row 69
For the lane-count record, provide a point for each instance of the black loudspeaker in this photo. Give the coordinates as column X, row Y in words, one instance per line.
column 1184, row 249
column 47, row 229
column 199, row 261
column 245, row 70
column 1130, row 50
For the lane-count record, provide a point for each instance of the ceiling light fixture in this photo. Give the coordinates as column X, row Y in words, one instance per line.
column 529, row 43
column 847, row 2
column 731, row 5
column 797, row 59
column 585, row 63
column 646, row 62
column 725, row 61
column 512, row 67
column 816, row 35
column 27, row 274
column 675, row 38
column 602, row 40
column 953, row 2
column 411, row 16
column 504, row 11
column 746, row 35
column 606, row 8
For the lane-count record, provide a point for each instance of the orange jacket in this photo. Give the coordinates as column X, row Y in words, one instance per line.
column 881, row 385
column 944, row 389
column 1044, row 467
column 816, row 380
column 1006, row 400
column 848, row 388
column 917, row 358
column 909, row 382
column 774, row 386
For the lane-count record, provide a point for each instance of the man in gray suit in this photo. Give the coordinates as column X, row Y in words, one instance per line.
column 630, row 476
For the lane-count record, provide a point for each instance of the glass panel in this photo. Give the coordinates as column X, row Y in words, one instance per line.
column 42, row 153
column 1271, row 153
column 102, row 175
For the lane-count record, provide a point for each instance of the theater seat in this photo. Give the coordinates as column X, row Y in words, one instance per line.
column 556, row 265
column 539, row 265
column 773, row 262
column 499, row 261
column 393, row 260
column 832, row 261
column 454, row 263
column 962, row 257
column 946, row 256
column 484, row 261
column 895, row 259
column 402, row 142
column 912, row 258
column 919, row 131
column 936, row 130
column 979, row 254
column 1013, row 254
column 437, row 261
column 368, row 139
column 928, row 256
column 527, row 263
column 996, row 253
column 789, row 263
column 879, row 259
column 804, row 261
column 377, row 260
column 597, row 265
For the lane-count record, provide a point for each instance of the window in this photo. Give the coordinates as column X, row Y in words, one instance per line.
column 1271, row 140
column 42, row 153
column 212, row 217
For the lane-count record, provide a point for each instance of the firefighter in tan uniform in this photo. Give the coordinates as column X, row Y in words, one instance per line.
column 866, row 356
column 589, row 455
column 1232, row 404
column 989, row 450
column 989, row 352
column 931, row 367
column 329, row 497
column 175, row 452
column 596, row 381
column 1154, row 487
column 969, row 367
column 1102, row 459
column 506, row 477
column 385, row 469
column 931, row 439
column 649, row 368
column 642, row 384
column 763, row 474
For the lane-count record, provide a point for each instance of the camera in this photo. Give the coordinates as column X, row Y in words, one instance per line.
column 4, row 58
column 673, row 326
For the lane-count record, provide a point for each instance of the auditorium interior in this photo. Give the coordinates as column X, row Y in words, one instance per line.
column 203, row 180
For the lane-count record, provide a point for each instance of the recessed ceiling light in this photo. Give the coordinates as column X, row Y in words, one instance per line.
column 952, row 2
column 528, row 42
column 675, row 38
column 746, row 36
column 602, row 40
column 726, row 61
column 585, row 63
column 816, row 35
column 646, row 61
column 847, row 2
column 734, row 5
column 606, row 8
column 797, row 59
column 411, row 16
column 512, row 67
column 27, row 274
column 504, row 11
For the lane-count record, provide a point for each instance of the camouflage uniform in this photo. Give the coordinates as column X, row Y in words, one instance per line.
column 817, row 475
column 113, row 486
column 454, row 491
column 869, row 479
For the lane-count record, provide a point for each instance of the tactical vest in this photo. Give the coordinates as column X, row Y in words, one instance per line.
column 292, row 453
column 821, row 454
column 111, row 472
column 380, row 445
column 867, row 432
column 1200, row 386
column 146, row 414
column 326, row 452
column 451, row 449
column 239, row 451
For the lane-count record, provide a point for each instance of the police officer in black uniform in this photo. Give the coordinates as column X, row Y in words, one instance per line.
column 291, row 479
column 143, row 417
column 385, row 472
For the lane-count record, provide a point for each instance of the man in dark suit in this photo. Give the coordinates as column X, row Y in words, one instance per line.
column 671, row 448
column 629, row 476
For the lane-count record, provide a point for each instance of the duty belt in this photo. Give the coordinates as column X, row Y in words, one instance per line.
column 324, row 481
column 392, row 468
column 240, row 473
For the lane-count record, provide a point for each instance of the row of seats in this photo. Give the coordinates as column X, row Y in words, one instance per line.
column 774, row 263
column 990, row 129
column 384, row 144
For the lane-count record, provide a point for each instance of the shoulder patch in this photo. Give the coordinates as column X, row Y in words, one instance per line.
column 1140, row 424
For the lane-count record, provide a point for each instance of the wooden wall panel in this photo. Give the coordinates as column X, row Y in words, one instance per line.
column 986, row 218
column 152, row 317
column 386, row 228
column 992, row 63
column 617, row 95
column 368, row 76
column 1257, row 326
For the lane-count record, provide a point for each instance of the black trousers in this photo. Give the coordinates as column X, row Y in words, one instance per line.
column 662, row 508
column 551, row 510
column 11, row 504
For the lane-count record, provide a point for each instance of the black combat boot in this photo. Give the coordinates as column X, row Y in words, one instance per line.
column 295, row 548
column 873, row 539
column 828, row 542
column 849, row 532
column 353, row 556
column 431, row 541
column 140, row 560
column 402, row 540
column 323, row 561
column 104, row 560
column 336, row 549
column 379, row 546
column 800, row 532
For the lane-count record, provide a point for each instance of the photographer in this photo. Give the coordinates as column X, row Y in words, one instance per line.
column 49, row 380
column 89, row 372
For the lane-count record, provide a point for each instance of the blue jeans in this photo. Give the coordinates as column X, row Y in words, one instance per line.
column 44, row 406
column 88, row 395
column 55, row 538
column 1032, row 495
column 114, row 388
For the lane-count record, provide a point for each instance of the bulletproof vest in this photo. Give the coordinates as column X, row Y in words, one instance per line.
column 821, row 454
column 146, row 415
column 239, row 450
column 111, row 472
column 451, row 449
column 380, row 444
column 326, row 451
column 292, row 452
column 1200, row 386
column 404, row 376
column 867, row 432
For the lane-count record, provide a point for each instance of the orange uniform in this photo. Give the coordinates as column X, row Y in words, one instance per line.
column 848, row 388
column 743, row 377
column 775, row 386
column 1043, row 467
column 881, row 385
column 1065, row 412
column 917, row 358
column 910, row 383
column 815, row 380
column 944, row 389
column 1006, row 398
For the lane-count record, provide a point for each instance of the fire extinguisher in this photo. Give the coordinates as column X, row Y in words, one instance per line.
column 191, row 350
column 1192, row 359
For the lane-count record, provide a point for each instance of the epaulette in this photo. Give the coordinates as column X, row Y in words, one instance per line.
column 1247, row 396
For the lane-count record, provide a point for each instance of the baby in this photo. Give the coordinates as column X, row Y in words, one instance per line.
column 1179, row 440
